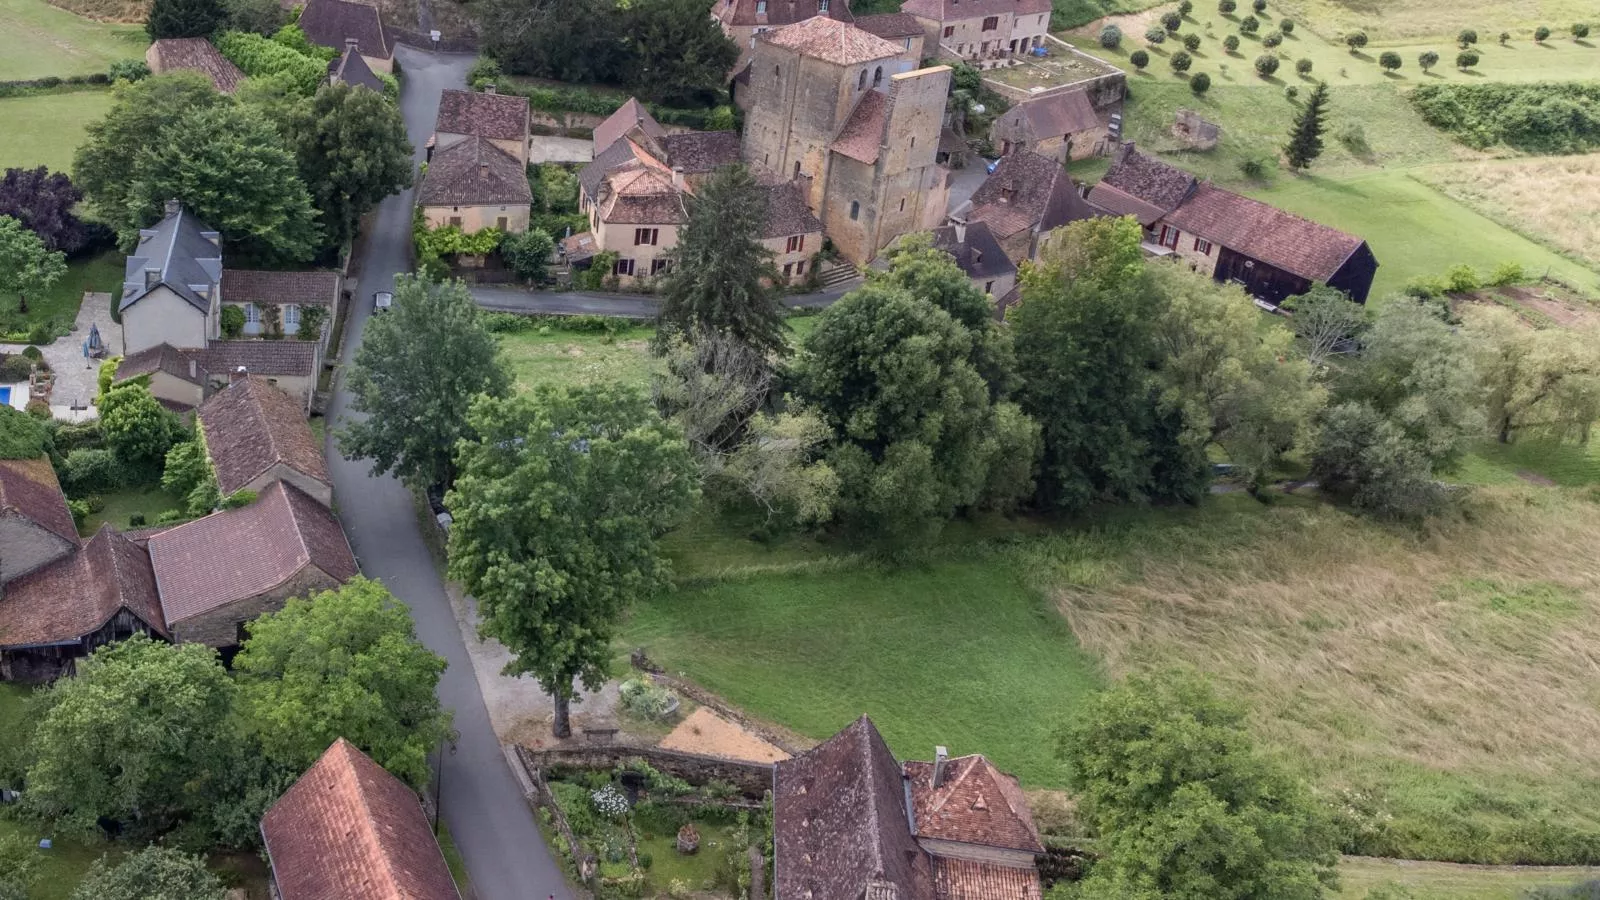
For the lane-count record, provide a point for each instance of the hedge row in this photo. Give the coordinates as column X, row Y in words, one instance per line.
column 1547, row 117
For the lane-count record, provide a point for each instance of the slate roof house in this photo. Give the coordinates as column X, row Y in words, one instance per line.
column 1027, row 197
column 331, row 23
column 350, row 830
column 851, row 823
column 475, row 184
column 500, row 119
column 196, row 55
column 979, row 254
column 1059, row 126
column 983, row 33
column 256, row 434
column 349, row 68
column 1272, row 254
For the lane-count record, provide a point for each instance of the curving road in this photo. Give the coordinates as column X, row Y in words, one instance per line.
column 482, row 802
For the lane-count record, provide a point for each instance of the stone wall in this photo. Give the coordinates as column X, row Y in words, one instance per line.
column 220, row 627
column 752, row 779
column 1103, row 90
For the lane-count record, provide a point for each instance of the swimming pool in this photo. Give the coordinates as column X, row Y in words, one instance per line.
column 5, row 395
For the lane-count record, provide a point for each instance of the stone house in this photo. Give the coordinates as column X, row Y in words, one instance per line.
column 840, row 107
column 174, row 376
column 475, row 184
column 979, row 254
column 792, row 233
column 283, row 297
column 333, row 23
column 897, row 28
column 195, row 55
column 349, row 68
column 743, row 20
column 386, row 849
column 1025, row 198
column 500, row 119
column 59, row 613
column 1060, row 127
column 171, row 286
column 182, row 379
column 216, row 573
column 256, row 434
column 851, row 822
column 36, row 527
column 983, row 33
column 1272, row 254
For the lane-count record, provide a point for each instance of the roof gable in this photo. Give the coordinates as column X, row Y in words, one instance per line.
column 640, row 194
column 179, row 253
column 199, row 55
column 76, row 596
column 1266, row 233
column 162, row 358
column 974, row 803
column 1148, row 179
column 832, row 41
column 251, row 426
column 498, row 117
column 630, row 115
column 977, row 252
column 29, row 490
column 350, row 68
column 474, row 172
column 329, row 23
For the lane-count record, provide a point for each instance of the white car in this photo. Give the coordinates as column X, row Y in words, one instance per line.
column 381, row 301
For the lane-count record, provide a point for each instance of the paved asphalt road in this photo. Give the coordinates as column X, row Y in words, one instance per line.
column 482, row 801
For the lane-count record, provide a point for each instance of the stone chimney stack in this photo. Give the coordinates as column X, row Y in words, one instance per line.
column 152, row 277
column 238, row 375
column 941, row 756
column 194, row 369
column 960, row 225
column 172, row 207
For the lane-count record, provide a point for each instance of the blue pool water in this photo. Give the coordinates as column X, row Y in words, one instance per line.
column 5, row 395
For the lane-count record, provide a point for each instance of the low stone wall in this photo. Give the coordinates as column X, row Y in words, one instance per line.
column 641, row 662
column 752, row 779
column 1103, row 90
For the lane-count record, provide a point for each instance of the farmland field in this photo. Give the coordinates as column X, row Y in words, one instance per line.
column 42, row 40
column 1552, row 200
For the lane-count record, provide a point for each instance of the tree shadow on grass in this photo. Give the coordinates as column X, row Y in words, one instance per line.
column 1544, row 45
column 1393, row 76
column 1473, row 72
column 1361, row 56
column 1583, row 43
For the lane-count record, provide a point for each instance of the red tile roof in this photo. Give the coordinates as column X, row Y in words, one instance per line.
column 1265, row 233
column 777, row 12
column 348, row 830
column 1147, row 178
column 299, row 288
column 641, row 195
column 1118, row 202
column 955, row 10
column 862, row 135
column 238, row 553
column 76, row 596
column 474, row 172
column 832, row 41
column 251, row 426
column 700, row 151
column 1027, row 190
column 162, row 358
column 787, row 213
column 196, row 54
column 960, row 879
column 29, row 489
column 329, row 23
column 975, row 803
column 1058, row 114
column 285, row 358
column 891, row 25
column 499, row 117
column 619, row 123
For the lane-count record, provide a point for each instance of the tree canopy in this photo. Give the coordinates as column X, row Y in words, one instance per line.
column 415, row 376
column 680, row 55
column 140, row 114
column 352, row 150
column 557, row 510
column 1540, row 381
column 1305, row 139
column 137, row 427
column 27, row 267
column 184, row 18
column 43, row 202
column 154, row 873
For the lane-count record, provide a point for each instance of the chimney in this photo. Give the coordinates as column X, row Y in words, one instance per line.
column 677, row 178
column 152, row 277
column 940, row 757
column 194, row 369
column 238, row 375
column 350, row 45
column 488, row 88
column 960, row 226
column 173, row 207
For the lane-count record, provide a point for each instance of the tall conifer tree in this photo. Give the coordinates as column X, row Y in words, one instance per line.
column 1305, row 139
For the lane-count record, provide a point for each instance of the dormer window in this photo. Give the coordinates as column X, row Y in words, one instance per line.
column 822, row 6
column 761, row 7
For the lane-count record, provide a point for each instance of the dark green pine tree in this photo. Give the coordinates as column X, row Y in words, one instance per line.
column 722, row 278
column 1305, row 139
column 184, row 18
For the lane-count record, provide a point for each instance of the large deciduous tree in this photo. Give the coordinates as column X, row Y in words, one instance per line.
column 27, row 267
column 154, row 873
column 722, row 278
column 352, row 150
column 415, row 376
column 1183, row 806
column 1541, row 381
column 136, row 426
column 184, row 18
column 344, row 663
column 1327, row 322
column 680, row 55
column 557, row 510
column 43, row 202
column 140, row 114
column 1305, row 138
column 571, row 40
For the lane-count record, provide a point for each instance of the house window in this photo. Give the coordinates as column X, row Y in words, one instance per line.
column 991, row 23
column 645, row 236
column 456, row 221
column 861, row 83
column 822, row 6
column 500, row 222
column 797, row 244
column 761, row 7
column 252, row 314
column 623, row 267
column 658, row 265
column 988, row 287
column 908, row 43
column 788, row 269
column 877, row 76
column 797, row 168
column 291, row 316
column 902, row 204
column 1202, row 246
column 855, row 209
column 949, row 31
column 800, row 267
column 1169, row 237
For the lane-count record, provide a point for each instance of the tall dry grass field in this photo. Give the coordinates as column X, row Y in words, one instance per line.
column 1550, row 199
column 1442, row 688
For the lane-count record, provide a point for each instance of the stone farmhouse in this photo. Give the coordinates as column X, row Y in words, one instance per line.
column 1060, row 127
column 477, row 163
column 743, row 20
column 982, row 33
column 1272, row 254
column 851, row 823
column 501, row 119
column 1025, row 198
column 173, row 294
column 385, row 847
column 333, row 23
column 195, row 55
column 840, row 107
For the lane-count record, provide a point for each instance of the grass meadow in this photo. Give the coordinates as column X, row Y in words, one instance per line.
column 42, row 40
column 44, row 129
column 1442, row 881
column 1550, row 199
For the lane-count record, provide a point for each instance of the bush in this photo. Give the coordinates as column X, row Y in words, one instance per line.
column 1111, row 37
column 528, row 254
column 1303, row 66
column 1467, row 37
column 1253, row 168
column 1226, row 7
column 1353, row 137
column 167, row 517
column 79, row 436
column 1155, row 35
column 1191, row 42
column 39, row 409
column 1541, row 34
column 1266, row 64
column 1291, row 93
column 1259, row 6
column 1286, row 26
column 1200, row 82
column 485, row 71
column 1466, row 59
column 1505, row 38
column 33, row 353
column 261, row 57
column 1230, row 43
column 1272, row 39
column 42, row 333
column 1171, row 21
column 1427, row 59
column 1461, row 278
column 1249, row 25
column 15, row 368
column 79, row 510
column 1355, row 40
column 1389, row 60
column 505, row 323
column 237, row 499
column 1580, row 30
column 232, row 322
column 1185, row 7
column 1139, row 58
column 646, row 699
column 136, row 520
column 128, row 70
column 1181, row 61
column 1549, row 118
column 86, row 471
column 1507, row 273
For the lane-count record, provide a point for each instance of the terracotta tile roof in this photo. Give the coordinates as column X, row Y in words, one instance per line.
column 832, row 41
column 1118, row 202
column 840, row 824
column 778, row 12
column 163, row 358
column 350, row 68
column 641, row 195
column 614, row 157
column 891, row 25
column 348, row 830
column 979, row 255
column 251, row 426
column 238, row 553
column 196, row 54
column 1027, row 190
column 299, row 288
column 499, row 117
column 579, row 246
column 955, row 10
column 1058, row 114
column 474, row 172
column 1265, row 233
column 701, row 151
column 328, row 23
column 960, row 879
column 1148, row 179
column 787, row 213
column 272, row 358
column 862, row 134
column 975, row 803
column 74, row 597
column 29, row 489
column 628, row 116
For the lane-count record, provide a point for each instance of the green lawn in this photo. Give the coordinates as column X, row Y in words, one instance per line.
column 43, row 40
column 59, row 305
column 571, row 358
column 1441, row 881
column 44, row 129
column 151, row 500
column 1568, row 465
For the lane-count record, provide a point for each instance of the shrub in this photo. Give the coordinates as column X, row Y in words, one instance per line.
column 1249, row 25
column 1286, row 26
column 1266, row 64
column 609, row 801
column 1259, row 6
column 261, row 57
column 1191, row 42
column 1155, row 35
column 646, row 699
column 232, row 322
column 1353, row 137
column 1171, row 21
column 1111, row 37
column 79, row 436
column 15, row 368
column 1467, row 37
column 1389, row 60
column 1507, row 273
column 167, row 517
column 87, row 470
column 1139, row 58
column 1355, row 40
column 1291, row 93
column 1505, row 38
column 1461, row 278
column 1185, row 7
column 1230, row 43
column 136, row 520
column 1550, row 118
column 32, row 352
column 42, row 333
column 128, row 70
column 237, row 499
column 1427, row 59
column 485, row 71
column 1580, row 30
column 39, row 409
column 505, row 323
column 1303, row 66
column 1466, row 59
column 1272, row 39
column 1181, row 61
column 1226, row 7
column 1541, row 34
column 79, row 510
column 1200, row 82
column 1253, row 168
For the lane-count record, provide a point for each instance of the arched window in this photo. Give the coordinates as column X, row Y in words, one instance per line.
column 877, row 76
column 861, row 83
column 855, row 205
